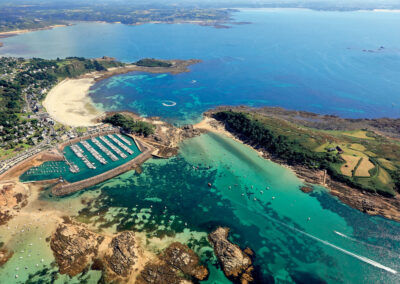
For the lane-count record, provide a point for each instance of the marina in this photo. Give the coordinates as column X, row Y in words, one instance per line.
column 120, row 144
column 86, row 157
column 126, row 141
column 104, row 149
column 92, row 151
column 80, row 154
column 114, row 148
column 72, row 167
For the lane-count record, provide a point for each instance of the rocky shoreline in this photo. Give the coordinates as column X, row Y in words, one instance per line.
column 177, row 66
column 369, row 203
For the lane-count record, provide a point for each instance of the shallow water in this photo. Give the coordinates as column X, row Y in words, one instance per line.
column 172, row 195
column 172, row 201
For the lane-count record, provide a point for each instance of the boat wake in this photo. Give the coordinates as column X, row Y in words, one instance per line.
column 367, row 244
column 169, row 103
column 359, row 257
column 345, row 236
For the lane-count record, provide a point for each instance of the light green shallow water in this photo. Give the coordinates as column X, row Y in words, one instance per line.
column 171, row 198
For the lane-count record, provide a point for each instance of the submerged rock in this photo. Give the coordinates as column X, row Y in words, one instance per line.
column 236, row 264
column 306, row 189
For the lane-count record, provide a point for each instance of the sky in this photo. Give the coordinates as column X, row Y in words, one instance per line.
column 228, row 3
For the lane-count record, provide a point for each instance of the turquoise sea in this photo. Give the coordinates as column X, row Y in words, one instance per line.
column 292, row 58
column 297, row 237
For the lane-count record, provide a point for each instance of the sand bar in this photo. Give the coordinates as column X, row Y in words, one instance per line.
column 68, row 103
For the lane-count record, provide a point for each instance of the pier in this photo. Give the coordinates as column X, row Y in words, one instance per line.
column 105, row 150
column 114, row 148
column 72, row 167
column 92, row 151
column 126, row 141
column 120, row 144
column 79, row 153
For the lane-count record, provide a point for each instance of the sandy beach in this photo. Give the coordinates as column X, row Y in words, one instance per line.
column 24, row 31
column 68, row 103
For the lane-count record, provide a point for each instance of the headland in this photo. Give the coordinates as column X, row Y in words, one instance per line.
column 316, row 148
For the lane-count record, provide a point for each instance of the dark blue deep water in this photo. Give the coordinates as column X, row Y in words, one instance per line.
column 343, row 63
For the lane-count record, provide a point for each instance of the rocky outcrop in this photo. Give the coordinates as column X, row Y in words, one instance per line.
column 177, row 264
column 120, row 258
column 188, row 131
column 182, row 257
column 73, row 247
column 237, row 265
column 124, row 254
column 5, row 216
column 13, row 197
column 159, row 273
column 5, row 255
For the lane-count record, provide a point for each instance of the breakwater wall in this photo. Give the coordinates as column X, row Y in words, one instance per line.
column 63, row 189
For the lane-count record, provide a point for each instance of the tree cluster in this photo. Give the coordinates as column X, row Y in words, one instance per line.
column 129, row 125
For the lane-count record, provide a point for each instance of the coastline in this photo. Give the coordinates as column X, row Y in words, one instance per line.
column 369, row 203
column 18, row 32
column 69, row 102
column 24, row 31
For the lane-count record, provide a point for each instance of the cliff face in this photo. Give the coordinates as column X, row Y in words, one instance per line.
column 237, row 264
